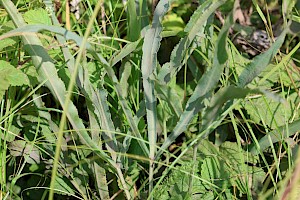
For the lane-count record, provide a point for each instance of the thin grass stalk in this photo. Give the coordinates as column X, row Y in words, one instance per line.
column 96, row 103
column 3, row 149
column 257, row 144
column 68, row 24
column 68, row 100
column 238, row 139
column 87, row 88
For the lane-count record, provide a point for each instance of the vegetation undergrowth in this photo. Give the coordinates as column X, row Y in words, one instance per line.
column 140, row 99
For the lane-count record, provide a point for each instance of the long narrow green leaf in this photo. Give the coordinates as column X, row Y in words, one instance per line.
column 143, row 12
column 205, row 85
column 260, row 62
column 276, row 135
column 129, row 48
column 220, row 98
column 134, row 27
column 149, row 61
column 195, row 27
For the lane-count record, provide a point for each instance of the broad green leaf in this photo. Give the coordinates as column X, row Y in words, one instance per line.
column 272, row 112
column 176, row 186
column 10, row 76
column 228, row 166
column 13, row 76
column 173, row 22
column 213, row 170
column 38, row 16
column 277, row 135
column 170, row 96
column 10, row 134
column 236, row 154
column 241, row 167
column 6, row 43
column 31, row 73
column 5, row 27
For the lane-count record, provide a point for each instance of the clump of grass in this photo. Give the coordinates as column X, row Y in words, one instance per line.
column 134, row 104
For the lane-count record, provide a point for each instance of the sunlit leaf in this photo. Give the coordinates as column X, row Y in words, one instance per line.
column 10, row 76
column 38, row 16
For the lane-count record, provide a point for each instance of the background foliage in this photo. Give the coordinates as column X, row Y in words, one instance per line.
column 137, row 99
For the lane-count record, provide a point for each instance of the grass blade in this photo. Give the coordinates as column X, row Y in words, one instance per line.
column 134, row 28
column 277, row 135
column 220, row 98
column 129, row 48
